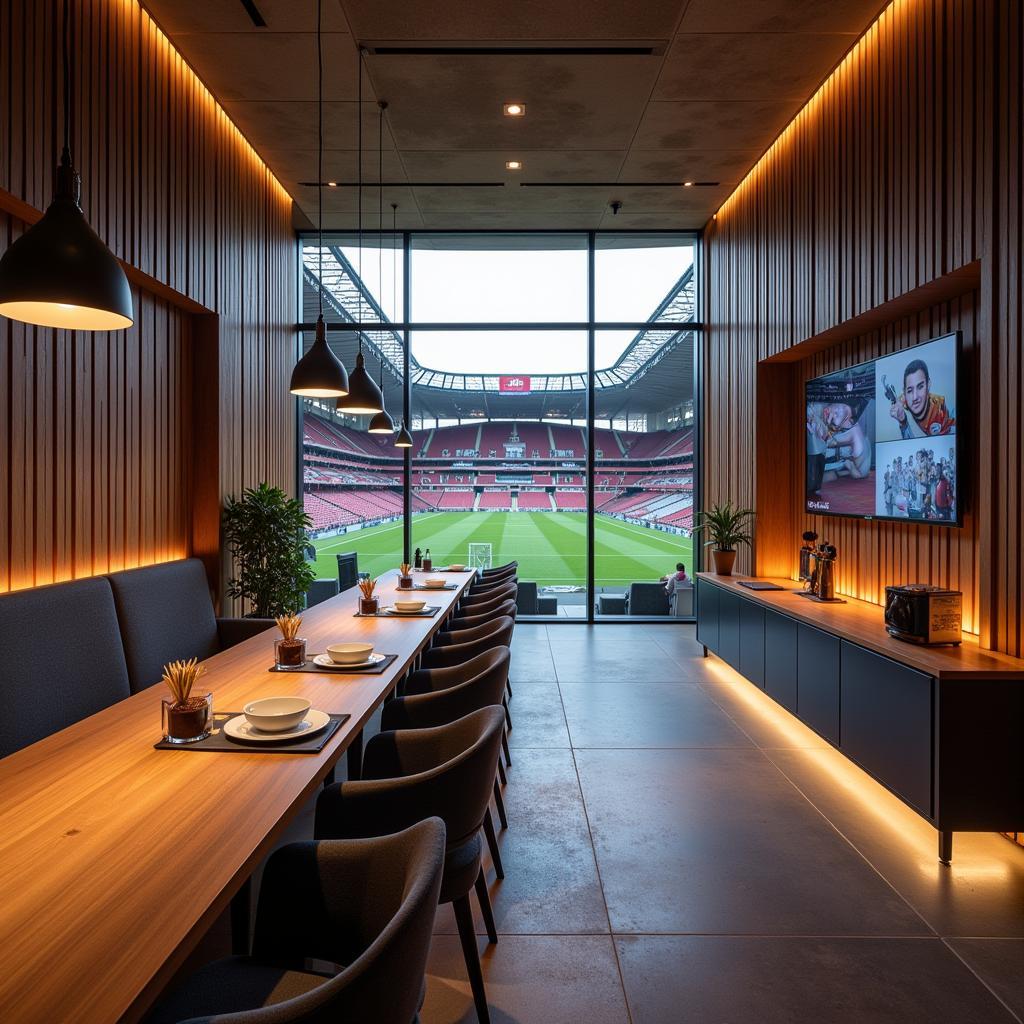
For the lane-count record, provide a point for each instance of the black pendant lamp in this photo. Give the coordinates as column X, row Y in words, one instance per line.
column 319, row 373
column 364, row 397
column 60, row 273
column 403, row 439
column 382, row 423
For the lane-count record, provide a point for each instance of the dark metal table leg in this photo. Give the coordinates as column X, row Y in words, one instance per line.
column 241, row 918
column 355, row 757
column 945, row 847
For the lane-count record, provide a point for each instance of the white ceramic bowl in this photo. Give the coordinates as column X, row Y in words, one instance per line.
column 349, row 654
column 456, row 567
column 276, row 714
column 410, row 606
column 434, row 584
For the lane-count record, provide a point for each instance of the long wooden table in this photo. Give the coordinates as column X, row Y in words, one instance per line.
column 115, row 858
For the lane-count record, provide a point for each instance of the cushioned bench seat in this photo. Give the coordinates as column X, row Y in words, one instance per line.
column 61, row 659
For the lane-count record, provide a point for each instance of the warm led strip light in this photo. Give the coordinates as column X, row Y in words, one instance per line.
column 185, row 71
column 869, row 38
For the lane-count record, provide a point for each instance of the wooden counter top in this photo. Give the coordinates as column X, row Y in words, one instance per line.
column 863, row 623
column 115, row 857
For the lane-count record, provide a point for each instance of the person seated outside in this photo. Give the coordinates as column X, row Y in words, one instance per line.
column 677, row 581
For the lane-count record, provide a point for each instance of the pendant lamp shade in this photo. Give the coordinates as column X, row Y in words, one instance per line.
column 60, row 273
column 319, row 373
column 382, row 423
column 404, row 439
column 364, row 397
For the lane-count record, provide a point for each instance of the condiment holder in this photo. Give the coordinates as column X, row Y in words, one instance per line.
column 290, row 650
column 185, row 718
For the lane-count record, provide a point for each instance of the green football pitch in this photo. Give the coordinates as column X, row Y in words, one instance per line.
column 550, row 546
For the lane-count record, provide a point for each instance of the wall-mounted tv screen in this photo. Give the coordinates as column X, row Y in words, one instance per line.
column 882, row 437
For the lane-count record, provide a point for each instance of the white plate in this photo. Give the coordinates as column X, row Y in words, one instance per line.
column 391, row 610
column 324, row 661
column 239, row 728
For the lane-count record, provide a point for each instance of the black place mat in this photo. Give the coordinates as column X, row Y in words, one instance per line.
column 219, row 743
column 427, row 613
column 441, row 568
column 375, row 670
column 447, row 586
column 820, row 600
column 759, row 585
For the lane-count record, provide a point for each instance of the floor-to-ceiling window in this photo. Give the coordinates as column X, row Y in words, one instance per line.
column 551, row 401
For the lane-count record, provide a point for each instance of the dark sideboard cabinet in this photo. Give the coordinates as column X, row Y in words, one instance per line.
column 937, row 727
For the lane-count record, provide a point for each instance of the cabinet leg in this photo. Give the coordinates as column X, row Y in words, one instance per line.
column 945, row 847
column 705, row 651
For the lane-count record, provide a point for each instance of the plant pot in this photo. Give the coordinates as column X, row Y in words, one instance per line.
column 368, row 606
column 724, row 561
column 188, row 722
column 405, row 583
column 290, row 655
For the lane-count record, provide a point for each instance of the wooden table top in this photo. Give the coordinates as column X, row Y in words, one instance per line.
column 864, row 624
column 115, row 858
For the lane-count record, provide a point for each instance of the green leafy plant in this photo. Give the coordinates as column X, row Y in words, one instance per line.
column 725, row 525
column 265, row 531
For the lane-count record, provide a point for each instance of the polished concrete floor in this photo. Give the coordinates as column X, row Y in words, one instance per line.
column 680, row 849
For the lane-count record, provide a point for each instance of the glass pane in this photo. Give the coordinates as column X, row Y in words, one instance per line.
column 499, row 278
column 499, row 464
column 644, row 474
column 352, row 479
column 644, row 277
column 361, row 284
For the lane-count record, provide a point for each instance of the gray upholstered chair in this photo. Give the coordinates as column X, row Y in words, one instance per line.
column 646, row 599
column 483, row 585
column 611, row 604
column 165, row 613
column 321, row 590
column 681, row 602
column 417, row 773
column 459, row 646
column 61, row 659
column 438, row 696
column 499, row 570
column 473, row 605
column 367, row 905
column 506, row 607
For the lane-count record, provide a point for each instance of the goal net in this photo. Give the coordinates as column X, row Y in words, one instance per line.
column 479, row 556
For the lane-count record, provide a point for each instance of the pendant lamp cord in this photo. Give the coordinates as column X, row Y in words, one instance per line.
column 380, row 219
column 66, row 155
column 320, row 151
column 359, row 200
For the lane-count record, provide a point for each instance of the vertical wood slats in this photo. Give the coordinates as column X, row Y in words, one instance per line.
column 99, row 432
column 906, row 166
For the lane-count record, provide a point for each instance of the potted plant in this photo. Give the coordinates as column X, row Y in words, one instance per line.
column 265, row 531
column 726, row 526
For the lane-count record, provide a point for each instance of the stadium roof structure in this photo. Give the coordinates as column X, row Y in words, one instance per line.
column 630, row 386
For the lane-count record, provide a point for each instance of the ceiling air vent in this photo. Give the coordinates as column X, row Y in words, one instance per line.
column 634, row 48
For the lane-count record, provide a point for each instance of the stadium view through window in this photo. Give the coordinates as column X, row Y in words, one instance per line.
column 532, row 393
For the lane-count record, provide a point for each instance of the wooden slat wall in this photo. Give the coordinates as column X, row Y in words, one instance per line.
column 99, row 433
column 904, row 167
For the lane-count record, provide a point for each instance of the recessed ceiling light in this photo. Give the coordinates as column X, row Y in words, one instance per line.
column 332, row 184
column 513, row 165
column 515, row 109
column 687, row 184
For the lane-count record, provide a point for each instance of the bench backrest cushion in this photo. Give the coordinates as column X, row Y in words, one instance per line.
column 166, row 614
column 61, row 659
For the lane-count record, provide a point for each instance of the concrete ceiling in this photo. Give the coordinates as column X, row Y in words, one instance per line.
column 724, row 78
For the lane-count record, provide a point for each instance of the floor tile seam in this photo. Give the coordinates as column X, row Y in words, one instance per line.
column 597, row 866
column 995, row 995
column 860, row 853
column 781, row 936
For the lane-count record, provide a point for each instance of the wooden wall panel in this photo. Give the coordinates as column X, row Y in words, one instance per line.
column 904, row 168
column 104, row 438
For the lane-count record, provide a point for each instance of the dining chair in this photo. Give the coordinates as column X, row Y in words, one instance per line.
column 366, row 905
column 498, row 570
column 439, row 696
column 506, row 607
column 505, row 591
column 482, row 586
column 411, row 774
column 458, row 646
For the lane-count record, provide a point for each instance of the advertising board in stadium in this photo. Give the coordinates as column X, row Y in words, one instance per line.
column 515, row 385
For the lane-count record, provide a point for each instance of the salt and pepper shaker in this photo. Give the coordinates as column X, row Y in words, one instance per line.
column 417, row 561
column 806, row 550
